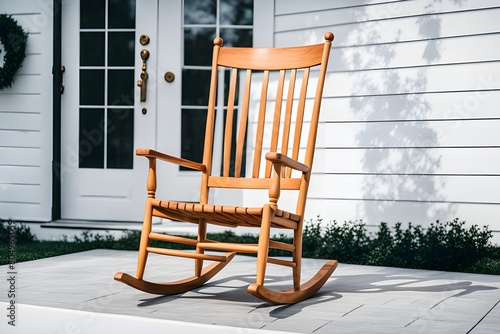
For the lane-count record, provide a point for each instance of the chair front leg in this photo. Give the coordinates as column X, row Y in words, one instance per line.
column 263, row 246
column 265, row 227
column 148, row 218
column 202, row 235
column 144, row 243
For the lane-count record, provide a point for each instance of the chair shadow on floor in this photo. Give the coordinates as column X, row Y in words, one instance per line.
column 233, row 289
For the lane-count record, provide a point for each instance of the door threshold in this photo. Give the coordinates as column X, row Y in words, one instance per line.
column 94, row 225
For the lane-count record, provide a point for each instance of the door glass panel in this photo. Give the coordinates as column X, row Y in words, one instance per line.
column 121, row 14
column 120, row 141
column 204, row 20
column 92, row 14
column 121, row 46
column 91, row 141
column 91, row 87
column 193, row 133
column 236, row 37
column 120, row 87
column 195, row 87
column 92, row 49
column 236, row 12
column 200, row 11
column 107, row 49
column 196, row 40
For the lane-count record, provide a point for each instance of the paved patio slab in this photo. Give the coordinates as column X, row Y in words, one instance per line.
column 77, row 294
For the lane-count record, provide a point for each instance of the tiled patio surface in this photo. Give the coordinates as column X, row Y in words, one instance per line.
column 77, row 294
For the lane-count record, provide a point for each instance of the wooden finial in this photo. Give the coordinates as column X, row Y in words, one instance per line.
column 218, row 41
column 329, row 36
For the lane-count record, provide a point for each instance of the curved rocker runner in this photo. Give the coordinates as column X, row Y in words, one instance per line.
column 293, row 296
column 291, row 123
column 176, row 287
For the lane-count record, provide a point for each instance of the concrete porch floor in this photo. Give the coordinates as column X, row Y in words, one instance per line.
column 76, row 293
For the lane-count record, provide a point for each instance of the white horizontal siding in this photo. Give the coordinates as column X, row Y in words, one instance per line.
column 441, row 78
column 319, row 13
column 26, row 120
column 461, row 161
column 418, row 188
column 478, row 104
column 411, row 134
column 409, row 124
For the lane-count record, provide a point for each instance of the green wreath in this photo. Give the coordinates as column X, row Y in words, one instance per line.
column 14, row 40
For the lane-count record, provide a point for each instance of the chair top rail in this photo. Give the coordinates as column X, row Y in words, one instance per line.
column 270, row 58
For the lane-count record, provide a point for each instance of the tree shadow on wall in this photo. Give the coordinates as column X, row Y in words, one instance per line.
column 400, row 162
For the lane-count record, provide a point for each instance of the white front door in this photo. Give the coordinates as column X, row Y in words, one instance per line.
column 103, row 117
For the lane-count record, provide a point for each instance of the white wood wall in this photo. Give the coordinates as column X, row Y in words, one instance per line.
column 26, row 119
column 410, row 120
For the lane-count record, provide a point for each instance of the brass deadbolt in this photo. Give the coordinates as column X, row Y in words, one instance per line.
column 169, row 76
column 144, row 39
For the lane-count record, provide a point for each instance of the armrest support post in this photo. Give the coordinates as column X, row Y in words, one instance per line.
column 151, row 183
column 275, row 188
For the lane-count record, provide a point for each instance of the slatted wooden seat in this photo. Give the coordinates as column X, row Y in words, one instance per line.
column 283, row 145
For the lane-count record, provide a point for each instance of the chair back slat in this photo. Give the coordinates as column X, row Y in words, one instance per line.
column 287, row 123
column 275, row 130
column 259, row 136
column 243, row 124
column 300, row 117
column 228, row 132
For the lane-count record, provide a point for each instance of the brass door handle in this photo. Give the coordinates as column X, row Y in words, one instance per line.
column 143, row 81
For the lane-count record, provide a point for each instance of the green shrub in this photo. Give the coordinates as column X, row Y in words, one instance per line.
column 453, row 246
column 348, row 241
column 442, row 246
column 23, row 232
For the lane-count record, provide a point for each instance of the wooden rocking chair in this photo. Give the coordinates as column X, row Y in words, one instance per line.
column 293, row 63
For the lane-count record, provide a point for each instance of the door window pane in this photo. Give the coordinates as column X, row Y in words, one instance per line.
column 197, row 45
column 91, row 49
column 91, row 138
column 121, row 47
column 91, row 87
column 121, row 14
column 120, row 87
column 120, row 143
column 92, row 14
column 199, row 11
column 195, row 87
column 193, row 134
column 236, row 12
column 237, row 37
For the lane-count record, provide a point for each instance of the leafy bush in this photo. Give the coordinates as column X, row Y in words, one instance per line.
column 448, row 246
column 348, row 241
column 23, row 232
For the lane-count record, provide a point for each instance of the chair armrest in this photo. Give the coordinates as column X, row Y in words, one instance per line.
column 149, row 153
column 286, row 161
